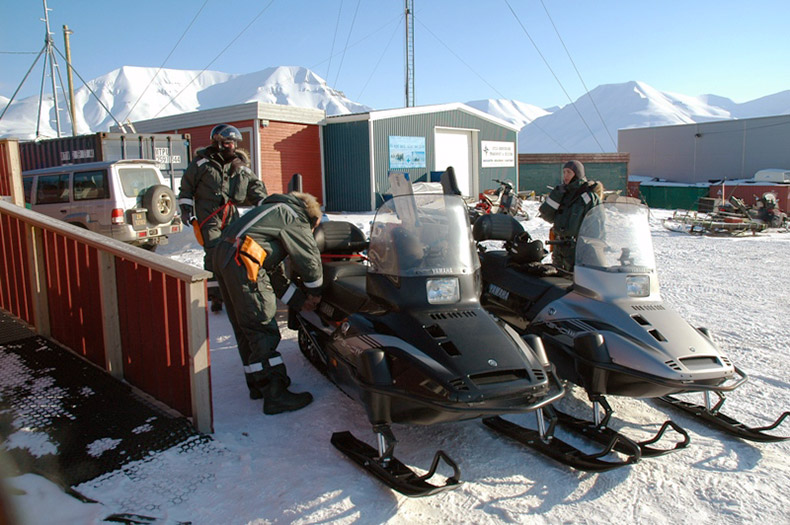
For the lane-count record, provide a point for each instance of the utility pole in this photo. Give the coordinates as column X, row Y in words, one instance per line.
column 66, row 33
column 409, row 53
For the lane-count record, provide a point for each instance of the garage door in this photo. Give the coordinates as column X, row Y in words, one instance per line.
column 454, row 148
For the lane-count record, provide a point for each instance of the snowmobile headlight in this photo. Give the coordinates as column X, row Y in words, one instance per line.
column 443, row 291
column 638, row 285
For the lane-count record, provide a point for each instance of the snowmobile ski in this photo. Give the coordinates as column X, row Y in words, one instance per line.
column 731, row 426
column 563, row 452
column 390, row 471
column 604, row 435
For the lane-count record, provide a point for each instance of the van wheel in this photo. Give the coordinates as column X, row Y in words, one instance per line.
column 161, row 203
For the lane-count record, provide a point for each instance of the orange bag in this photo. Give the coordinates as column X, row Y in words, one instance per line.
column 196, row 230
column 252, row 256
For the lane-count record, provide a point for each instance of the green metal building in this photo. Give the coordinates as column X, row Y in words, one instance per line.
column 360, row 150
column 538, row 172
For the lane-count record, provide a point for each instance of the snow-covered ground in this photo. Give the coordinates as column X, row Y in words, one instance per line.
column 283, row 469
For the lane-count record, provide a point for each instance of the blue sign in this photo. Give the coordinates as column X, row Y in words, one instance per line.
column 407, row 152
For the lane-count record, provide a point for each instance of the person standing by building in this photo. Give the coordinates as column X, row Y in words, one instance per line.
column 217, row 181
column 565, row 207
column 248, row 265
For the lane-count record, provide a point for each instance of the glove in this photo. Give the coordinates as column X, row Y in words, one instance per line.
column 549, row 207
column 186, row 214
column 311, row 303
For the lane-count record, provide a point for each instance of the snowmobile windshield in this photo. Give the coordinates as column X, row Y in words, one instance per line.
column 615, row 237
column 422, row 234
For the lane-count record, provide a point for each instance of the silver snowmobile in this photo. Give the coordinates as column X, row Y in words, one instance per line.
column 607, row 328
column 401, row 330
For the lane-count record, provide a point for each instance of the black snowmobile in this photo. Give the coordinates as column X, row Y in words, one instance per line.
column 401, row 330
column 605, row 327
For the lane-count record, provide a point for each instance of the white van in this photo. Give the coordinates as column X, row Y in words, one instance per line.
column 123, row 199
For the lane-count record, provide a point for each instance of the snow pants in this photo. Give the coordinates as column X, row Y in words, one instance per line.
column 251, row 308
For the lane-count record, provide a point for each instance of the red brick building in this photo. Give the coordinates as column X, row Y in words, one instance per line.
column 282, row 140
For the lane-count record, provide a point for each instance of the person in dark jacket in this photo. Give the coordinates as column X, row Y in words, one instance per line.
column 565, row 207
column 217, row 181
column 248, row 265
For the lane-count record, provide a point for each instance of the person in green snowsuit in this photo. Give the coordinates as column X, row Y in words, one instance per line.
column 248, row 265
column 565, row 207
column 217, row 181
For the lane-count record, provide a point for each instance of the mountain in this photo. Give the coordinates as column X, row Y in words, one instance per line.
column 139, row 93
column 630, row 105
column 517, row 113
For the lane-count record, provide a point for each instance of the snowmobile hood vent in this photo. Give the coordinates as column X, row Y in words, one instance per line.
column 498, row 376
column 644, row 307
column 459, row 384
column 454, row 315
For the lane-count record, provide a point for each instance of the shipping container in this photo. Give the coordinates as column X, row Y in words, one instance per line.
column 171, row 151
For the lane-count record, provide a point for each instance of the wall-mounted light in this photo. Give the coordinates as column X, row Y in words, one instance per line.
column 698, row 135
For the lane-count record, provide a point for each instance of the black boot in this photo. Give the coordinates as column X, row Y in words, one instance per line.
column 277, row 398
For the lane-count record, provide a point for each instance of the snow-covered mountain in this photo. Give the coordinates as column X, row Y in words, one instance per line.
column 630, row 105
column 517, row 113
column 139, row 93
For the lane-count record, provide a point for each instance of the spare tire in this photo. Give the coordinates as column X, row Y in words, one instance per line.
column 160, row 202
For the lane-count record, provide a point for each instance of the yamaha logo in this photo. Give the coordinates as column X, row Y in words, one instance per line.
column 493, row 363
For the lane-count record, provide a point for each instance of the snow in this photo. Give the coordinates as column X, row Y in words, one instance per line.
column 139, row 93
column 283, row 469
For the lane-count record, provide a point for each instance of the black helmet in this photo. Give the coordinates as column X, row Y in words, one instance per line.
column 524, row 250
column 224, row 132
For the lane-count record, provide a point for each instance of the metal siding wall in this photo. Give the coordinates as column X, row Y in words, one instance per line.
column 74, row 296
column 725, row 149
column 423, row 126
column 347, row 163
column 16, row 295
column 153, row 333
column 539, row 177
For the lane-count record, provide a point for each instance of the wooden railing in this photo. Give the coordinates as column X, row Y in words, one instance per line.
column 139, row 316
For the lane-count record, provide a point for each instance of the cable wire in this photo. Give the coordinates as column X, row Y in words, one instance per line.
column 126, row 118
column 342, row 58
column 216, row 57
column 486, row 81
column 23, row 81
column 554, row 74
column 586, row 90
column 394, row 32
column 334, row 38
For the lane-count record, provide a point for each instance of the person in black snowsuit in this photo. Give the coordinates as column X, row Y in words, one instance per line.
column 565, row 207
column 217, row 181
column 248, row 265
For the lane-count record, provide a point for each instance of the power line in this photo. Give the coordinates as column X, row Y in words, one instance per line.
column 586, row 90
column 357, row 42
column 554, row 75
column 485, row 81
column 126, row 118
column 394, row 32
column 342, row 58
column 216, row 57
column 334, row 38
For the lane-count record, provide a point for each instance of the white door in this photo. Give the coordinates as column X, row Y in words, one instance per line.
column 453, row 147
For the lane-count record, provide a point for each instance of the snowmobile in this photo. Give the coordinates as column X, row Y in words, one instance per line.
column 400, row 329
column 501, row 200
column 605, row 327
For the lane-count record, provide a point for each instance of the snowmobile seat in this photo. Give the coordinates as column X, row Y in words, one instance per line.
column 339, row 237
column 496, row 227
column 345, row 285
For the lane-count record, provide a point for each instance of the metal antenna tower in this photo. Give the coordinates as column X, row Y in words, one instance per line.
column 53, row 64
column 409, row 53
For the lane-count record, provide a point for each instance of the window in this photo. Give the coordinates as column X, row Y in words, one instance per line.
column 90, row 185
column 135, row 181
column 52, row 189
column 27, row 184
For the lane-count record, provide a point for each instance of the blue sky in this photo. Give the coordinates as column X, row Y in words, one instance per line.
column 465, row 50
